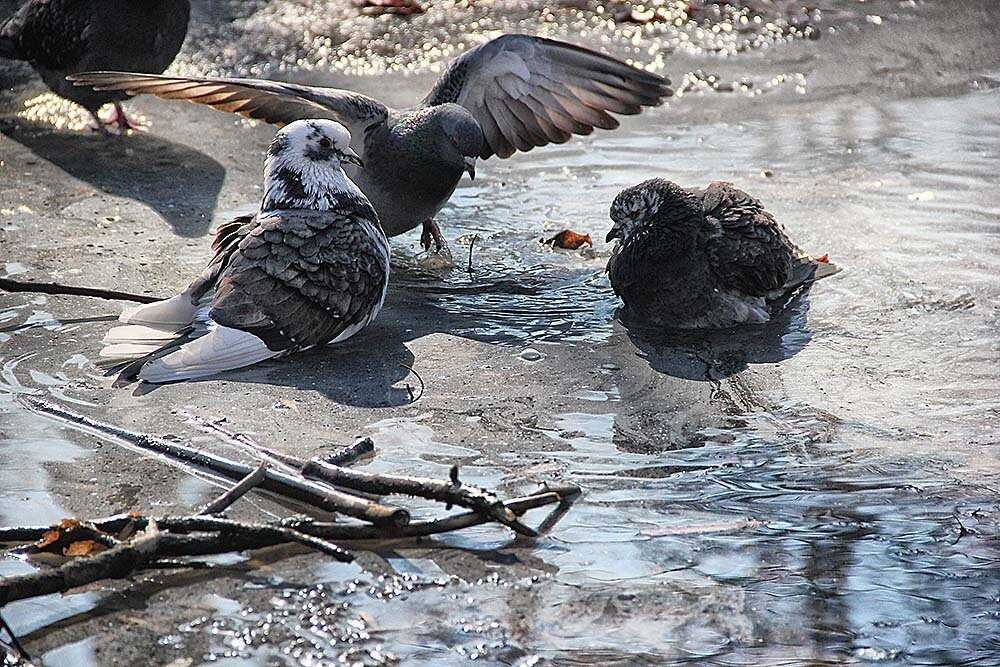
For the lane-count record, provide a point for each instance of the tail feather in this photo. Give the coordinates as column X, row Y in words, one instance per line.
column 824, row 269
column 222, row 349
column 173, row 313
column 139, row 333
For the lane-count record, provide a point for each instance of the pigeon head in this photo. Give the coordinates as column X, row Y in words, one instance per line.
column 304, row 165
column 656, row 199
column 460, row 138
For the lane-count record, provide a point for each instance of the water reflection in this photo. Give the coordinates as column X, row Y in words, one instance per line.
column 714, row 355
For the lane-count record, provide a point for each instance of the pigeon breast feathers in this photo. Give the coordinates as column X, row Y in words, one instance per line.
column 530, row 91
column 750, row 251
column 273, row 102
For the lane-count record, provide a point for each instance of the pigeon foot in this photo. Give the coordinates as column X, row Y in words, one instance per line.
column 438, row 253
column 120, row 121
column 97, row 125
column 432, row 235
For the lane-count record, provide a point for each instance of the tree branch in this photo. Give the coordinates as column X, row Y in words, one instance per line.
column 8, row 285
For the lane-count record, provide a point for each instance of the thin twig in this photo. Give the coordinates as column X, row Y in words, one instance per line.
column 222, row 503
column 472, row 244
column 471, row 497
column 420, row 379
column 283, row 484
column 14, row 641
column 8, row 285
column 253, row 531
column 547, row 495
column 348, row 455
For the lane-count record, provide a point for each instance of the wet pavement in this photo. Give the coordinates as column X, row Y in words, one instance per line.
column 822, row 490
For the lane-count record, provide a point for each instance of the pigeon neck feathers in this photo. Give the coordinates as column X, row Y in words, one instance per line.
column 297, row 184
column 303, row 169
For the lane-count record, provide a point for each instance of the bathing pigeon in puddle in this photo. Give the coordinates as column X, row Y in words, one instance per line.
column 310, row 268
column 60, row 37
column 703, row 258
column 512, row 93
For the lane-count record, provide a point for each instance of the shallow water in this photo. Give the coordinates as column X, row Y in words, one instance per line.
column 847, row 515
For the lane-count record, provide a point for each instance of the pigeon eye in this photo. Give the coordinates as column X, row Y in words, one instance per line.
column 325, row 142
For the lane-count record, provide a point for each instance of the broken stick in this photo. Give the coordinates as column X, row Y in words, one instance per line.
column 8, row 285
column 450, row 492
column 283, row 484
column 223, row 502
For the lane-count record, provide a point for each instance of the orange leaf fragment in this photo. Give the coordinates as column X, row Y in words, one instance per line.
column 83, row 548
column 50, row 537
column 569, row 240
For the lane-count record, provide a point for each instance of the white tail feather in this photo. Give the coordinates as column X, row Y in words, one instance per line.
column 222, row 349
column 173, row 313
column 125, row 351
column 138, row 333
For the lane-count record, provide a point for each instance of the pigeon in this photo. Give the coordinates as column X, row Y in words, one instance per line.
column 703, row 258
column 311, row 267
column 513, row 93
column 60, row 37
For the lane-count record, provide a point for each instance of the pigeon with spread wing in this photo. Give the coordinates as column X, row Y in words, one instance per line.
column 511, row 94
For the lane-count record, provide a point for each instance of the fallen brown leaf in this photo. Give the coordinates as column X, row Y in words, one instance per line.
column 569, row 240
column 49, row 538
column 83, row 548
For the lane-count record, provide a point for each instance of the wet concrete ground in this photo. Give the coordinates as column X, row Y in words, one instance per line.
column 821, row 491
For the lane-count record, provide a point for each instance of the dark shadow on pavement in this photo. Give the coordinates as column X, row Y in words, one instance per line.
column 180, row 183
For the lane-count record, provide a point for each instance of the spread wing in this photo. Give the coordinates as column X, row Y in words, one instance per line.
column 296, row 279
column 749, row 249
column 530, row 91
column 273, row 102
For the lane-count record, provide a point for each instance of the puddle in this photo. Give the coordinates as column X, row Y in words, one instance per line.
column 28, row 446
column 847, row 514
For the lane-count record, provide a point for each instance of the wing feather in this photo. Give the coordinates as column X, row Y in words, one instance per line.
column 274, row 102
column 528, row 91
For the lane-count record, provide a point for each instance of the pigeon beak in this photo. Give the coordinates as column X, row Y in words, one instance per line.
column 470, row 167
column 615, row 233
column 350, row 156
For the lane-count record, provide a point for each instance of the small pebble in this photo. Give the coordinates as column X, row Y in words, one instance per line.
column 530, row 354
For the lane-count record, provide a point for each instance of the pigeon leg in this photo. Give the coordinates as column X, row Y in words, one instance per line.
column 432, row 234
column 97, row 125
column 121, row 121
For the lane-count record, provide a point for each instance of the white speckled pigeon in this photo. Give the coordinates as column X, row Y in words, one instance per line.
column 60, row 37
column 512, row 93
column 703, row 258
column 310, row 268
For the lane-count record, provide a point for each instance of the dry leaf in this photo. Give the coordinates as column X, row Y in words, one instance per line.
column 569, row 240
column 49, row 538
column 83, row 548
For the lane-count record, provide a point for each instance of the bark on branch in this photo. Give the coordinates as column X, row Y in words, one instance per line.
column 284, row 484
column 8, row 285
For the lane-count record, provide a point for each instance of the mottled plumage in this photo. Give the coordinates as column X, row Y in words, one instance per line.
column 61, row 37
column 692, row 258
column 512, row 93
column 310, row 268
